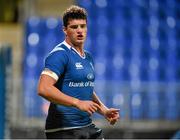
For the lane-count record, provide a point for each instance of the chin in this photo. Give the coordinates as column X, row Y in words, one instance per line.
column 80, row 42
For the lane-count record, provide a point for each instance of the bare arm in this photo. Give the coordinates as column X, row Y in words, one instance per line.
column 111, row 114
column 103, row 108
column 47, row 90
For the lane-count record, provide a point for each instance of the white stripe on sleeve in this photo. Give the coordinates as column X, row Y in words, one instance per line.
column 50, row 73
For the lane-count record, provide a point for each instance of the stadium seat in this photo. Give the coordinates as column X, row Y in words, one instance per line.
column 119, row 102
column 153, row 105
column 32, row 104
column 172, row 106
column 136, row 104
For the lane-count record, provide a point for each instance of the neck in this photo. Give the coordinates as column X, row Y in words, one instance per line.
column 79, row 48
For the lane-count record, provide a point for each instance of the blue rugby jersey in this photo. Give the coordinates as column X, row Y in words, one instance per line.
column 76, row 79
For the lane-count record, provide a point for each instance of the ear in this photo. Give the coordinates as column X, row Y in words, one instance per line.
column 64, row 30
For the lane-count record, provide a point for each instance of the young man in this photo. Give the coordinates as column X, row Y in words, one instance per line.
column 67, row 81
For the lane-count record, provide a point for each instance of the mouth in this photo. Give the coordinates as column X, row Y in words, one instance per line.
column 80, row 37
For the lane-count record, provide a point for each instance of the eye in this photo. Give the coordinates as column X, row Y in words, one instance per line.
column 73, row 26
column 83, row 26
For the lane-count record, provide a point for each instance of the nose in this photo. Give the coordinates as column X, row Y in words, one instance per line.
column 79, row 29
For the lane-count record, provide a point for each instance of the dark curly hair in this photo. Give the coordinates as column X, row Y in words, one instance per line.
column 74, row 12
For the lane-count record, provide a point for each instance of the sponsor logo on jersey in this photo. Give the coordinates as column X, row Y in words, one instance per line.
column 81, row 84
column 79, row 65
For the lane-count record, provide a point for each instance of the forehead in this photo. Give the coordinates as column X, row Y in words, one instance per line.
column 76, row 21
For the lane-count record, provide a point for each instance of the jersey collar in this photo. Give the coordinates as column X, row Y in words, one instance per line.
column 66, row 44
column 69, row 47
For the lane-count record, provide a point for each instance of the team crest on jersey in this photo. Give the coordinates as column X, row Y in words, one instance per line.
column 79, row 65
column 90, row 76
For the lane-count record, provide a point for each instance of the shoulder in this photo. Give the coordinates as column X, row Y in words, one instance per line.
column 58, row 54
column 59, row 48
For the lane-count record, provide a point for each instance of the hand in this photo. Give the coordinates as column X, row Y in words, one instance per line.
column 88, row 106
column 112, row 115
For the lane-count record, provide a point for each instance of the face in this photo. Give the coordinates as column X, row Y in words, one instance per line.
column 76, row 32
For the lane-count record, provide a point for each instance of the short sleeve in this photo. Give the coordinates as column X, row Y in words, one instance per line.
column 56, row 62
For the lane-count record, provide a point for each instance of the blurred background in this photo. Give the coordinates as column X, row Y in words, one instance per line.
column 136, row 49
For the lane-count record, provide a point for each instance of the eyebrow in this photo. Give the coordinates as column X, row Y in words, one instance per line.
column 76, row 25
